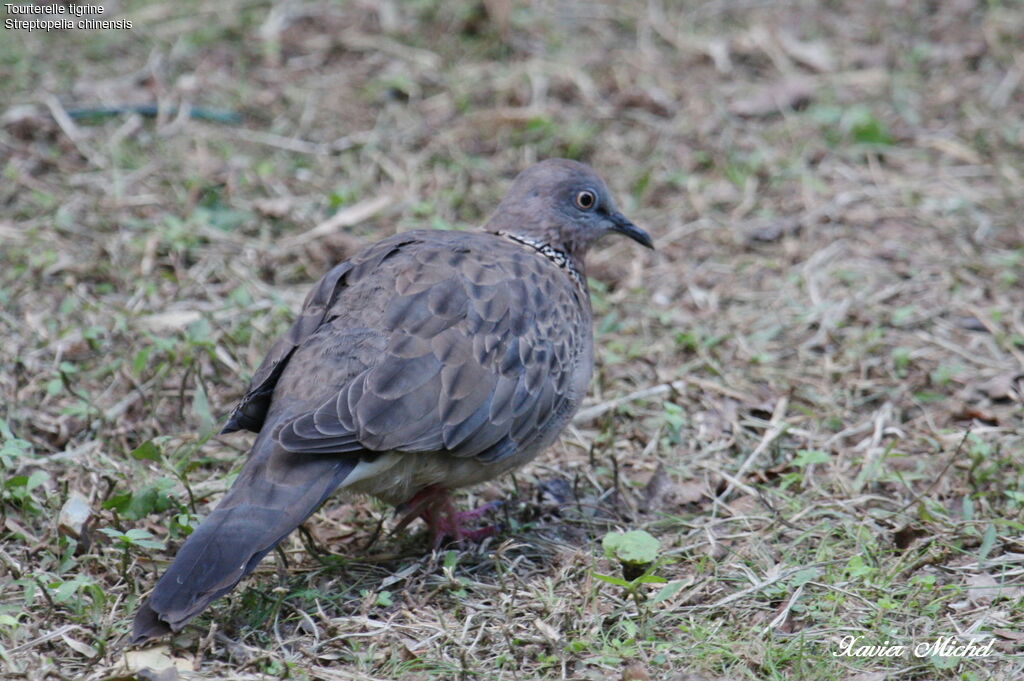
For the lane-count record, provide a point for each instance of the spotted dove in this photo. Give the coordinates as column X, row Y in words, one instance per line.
column 429, row 361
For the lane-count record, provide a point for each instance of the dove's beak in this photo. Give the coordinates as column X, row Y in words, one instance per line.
column 622, row 225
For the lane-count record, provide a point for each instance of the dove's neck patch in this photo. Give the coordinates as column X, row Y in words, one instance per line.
column 560, row 258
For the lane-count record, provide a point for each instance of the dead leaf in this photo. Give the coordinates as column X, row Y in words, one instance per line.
column 1009, row 634
column 716, row 423
column 745, row 505
column 984, row 589
column 500, row 13
column 718, row 50
column 157, row 659
column 775, row 98
column 652, row 100
column 171, row 320
column 408, row 649
column 968, row 413
column 662, row 492
column 635, row 672
column 27, row 122
column 767, row 230
column 870, row 676
column 74, row 514
column 812, row 54
column 954, row 149
column 547, row 630
column 906, row 535
column 83, row 649
column 656, row 488
column 1004, row 387
column 349, row 216
column 554, row 493
column 277, row 207
column 970, row 323
column 147, row 674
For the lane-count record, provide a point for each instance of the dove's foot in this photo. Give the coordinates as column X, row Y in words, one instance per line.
column 434, row 505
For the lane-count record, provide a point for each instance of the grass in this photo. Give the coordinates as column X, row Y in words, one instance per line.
column 810, row 395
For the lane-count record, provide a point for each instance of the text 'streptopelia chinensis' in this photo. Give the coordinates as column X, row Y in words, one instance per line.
column 431, row 360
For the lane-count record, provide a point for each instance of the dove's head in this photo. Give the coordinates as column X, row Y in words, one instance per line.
column 563, row 204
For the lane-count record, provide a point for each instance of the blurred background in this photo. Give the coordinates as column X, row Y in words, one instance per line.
column 810, row 393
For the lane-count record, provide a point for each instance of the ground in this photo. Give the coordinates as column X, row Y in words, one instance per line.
column 810, row 394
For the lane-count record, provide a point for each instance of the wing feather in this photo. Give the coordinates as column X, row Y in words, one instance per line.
column 466, row 351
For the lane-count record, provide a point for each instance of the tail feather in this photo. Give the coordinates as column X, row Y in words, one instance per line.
column 272, row 496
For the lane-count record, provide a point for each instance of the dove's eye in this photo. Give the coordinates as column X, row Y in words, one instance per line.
column 586, row 200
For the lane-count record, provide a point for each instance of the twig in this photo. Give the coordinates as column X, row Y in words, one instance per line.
column 938, row 477
column 346, row 217
column 56, row 633
column 300, row 146
column 754, row 588
column 994, row 332
column 780, row 619
column 591, row 413
column 969, row 356
column 776, row 428
column 152, row 110
column 63, row 120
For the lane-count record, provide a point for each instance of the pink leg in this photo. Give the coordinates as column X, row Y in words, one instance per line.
column 434, row 505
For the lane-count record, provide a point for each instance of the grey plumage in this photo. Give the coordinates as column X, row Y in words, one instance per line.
column 431, row 360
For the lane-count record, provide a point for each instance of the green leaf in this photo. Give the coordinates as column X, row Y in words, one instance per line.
column 16, row 481
column 200, row 332
column 617, row 581
column 804, row 576
column 147, row 451
column 118, row 502
column 668, row 591
column 858, row 568
column 65, row 591
column 945, row 663
column 988, row 540
column 806, row 457
column 649, row 579
column 201, row 407
column 36, row 479
column 634, row 548
column 865, row 127
column 153, row 498
column 141, row 360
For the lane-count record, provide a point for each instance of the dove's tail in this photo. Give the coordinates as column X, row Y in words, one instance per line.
column 275, row 492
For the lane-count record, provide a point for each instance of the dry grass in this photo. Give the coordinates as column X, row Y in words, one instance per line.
column 784, row 390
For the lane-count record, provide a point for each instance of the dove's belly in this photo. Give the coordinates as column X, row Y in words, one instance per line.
column 396, row 477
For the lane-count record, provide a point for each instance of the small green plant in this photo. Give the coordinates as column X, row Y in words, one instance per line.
column 637, row 552
column 807, row 457
column 457, row 585
column 381, row 598
column 131, row 540
column 136, row 538
column 675, row 420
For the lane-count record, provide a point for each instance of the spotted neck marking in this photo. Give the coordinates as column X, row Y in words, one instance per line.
column 560, row 258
